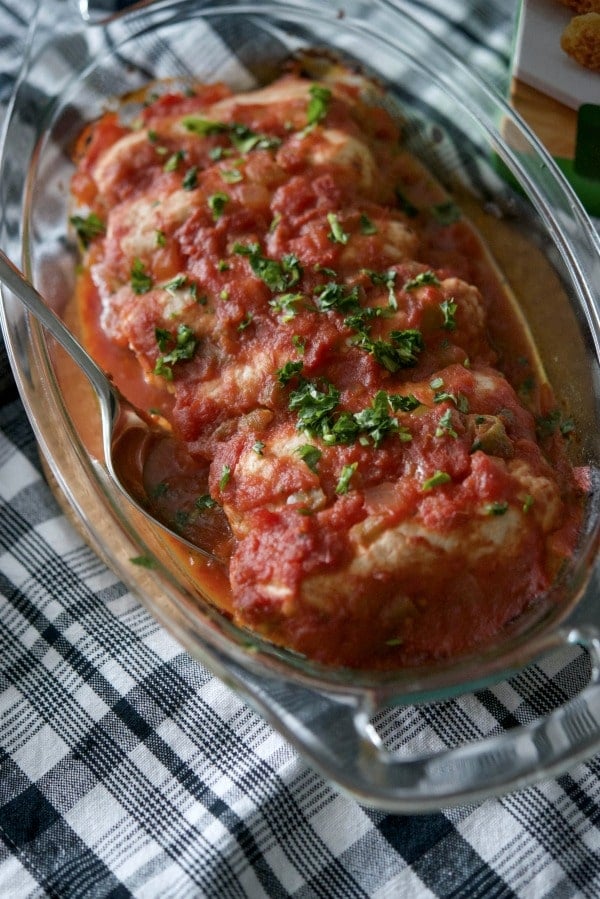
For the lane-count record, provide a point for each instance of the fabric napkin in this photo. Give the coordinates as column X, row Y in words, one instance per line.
column 127, row 769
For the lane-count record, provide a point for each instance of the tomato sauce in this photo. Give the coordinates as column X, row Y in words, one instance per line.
column 363, row 432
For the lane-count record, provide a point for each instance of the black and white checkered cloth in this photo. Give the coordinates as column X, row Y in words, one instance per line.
column 127, row 769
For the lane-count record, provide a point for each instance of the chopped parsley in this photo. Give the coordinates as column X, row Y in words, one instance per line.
column 346, row 473
column 336, row 297
column 403, row 403
column 318, row 105
column 203, row 127
column 375, row 422
column 285, row 304
column 87, row 227
column 160, row 490
column 459, row 400
column 436, row 480
column 288, row 371
column 337, row 233
column 231, row 176
column 319, row 416
column 244, row 139
column 299, row 343
column 241, row 136
column 278, row 275
column 448, row 308
column 366, row 225
column 225, row 477
column 205, row 502
column 309, row 454
column 405, row 204
column 547, row 425
column 175, row 283
column 245, row 322
column 179, row 347
column 401, row 350
column 314, row 406
column 258, row 447
column 446, row 213
column 141, row 282
column 217, row 203
column 144, row 561
column 422, row 280
column 173, row 161
column 385, row 279
column 445, row 425
column 190, row 179
column 497, row 508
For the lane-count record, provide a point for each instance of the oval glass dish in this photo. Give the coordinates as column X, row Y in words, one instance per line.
column 543, row 242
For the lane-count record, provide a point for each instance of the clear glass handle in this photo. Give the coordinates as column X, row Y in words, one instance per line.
column 336, row 735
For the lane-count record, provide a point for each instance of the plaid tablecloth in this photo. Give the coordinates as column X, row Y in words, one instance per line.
column 127, row 769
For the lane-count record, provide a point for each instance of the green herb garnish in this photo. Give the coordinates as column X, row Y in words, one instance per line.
column 173, row 161
column 346, row 473
column 190, row 179
column 446, row 213
column 497, row 508
column 422, row 280
column 144, row 561
column 225, row 477
column 285, row 305
column 288, row 371
column 436, row 480
column 403, row 403
column 336, row 297
column 182, row 345
column 278, row 275
column 314, row 406
column 385, row 279
column 231, row 176
column 366, row 225
column 405, row 205
column 401, row 350
column 318, row 105
column 309, row 454
column 203, row 127
column 448, row 308
column 175, row 283
column 245, row 322
column 375, row 422
column 217, row 203
column 87, row 227
column 205, row 502
column 445, row 425
column 337, row 233
column 141, row 282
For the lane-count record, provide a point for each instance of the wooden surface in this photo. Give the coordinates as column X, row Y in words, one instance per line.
column 553, row 122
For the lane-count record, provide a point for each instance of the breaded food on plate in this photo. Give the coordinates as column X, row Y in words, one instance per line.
column 580, row 7
column 581, row 40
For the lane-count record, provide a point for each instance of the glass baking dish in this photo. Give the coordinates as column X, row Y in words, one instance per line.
column 541, row 238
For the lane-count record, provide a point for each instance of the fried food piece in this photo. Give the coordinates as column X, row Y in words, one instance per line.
column 581, row 40
column 581, row 7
